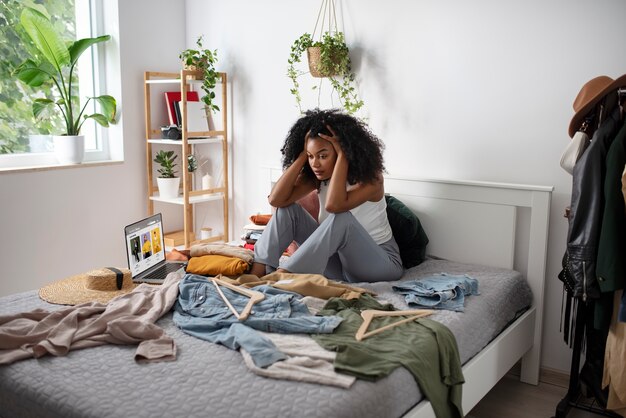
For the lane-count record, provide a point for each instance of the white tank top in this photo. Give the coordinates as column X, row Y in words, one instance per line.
column 372, row 215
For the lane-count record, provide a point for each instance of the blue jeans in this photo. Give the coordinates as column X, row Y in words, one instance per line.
column 201, row 312
column 439, row 292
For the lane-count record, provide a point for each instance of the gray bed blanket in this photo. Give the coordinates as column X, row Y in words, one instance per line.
column 208, row 380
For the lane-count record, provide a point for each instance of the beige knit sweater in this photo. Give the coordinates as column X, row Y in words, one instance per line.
column 126, row 319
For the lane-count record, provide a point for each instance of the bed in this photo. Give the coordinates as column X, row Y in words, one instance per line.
column 496, row 233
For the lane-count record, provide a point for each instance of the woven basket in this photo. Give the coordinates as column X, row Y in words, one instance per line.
column 192, row 68
column 313, row 54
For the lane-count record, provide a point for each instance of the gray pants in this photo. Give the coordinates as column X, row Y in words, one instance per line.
column 339, row 248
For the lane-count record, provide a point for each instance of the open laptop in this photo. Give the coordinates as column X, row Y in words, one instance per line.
column 145, row 250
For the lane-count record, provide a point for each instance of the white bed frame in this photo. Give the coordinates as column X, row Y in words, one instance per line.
column 492, row 224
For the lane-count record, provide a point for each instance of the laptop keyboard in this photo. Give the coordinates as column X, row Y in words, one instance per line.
column 162, row 272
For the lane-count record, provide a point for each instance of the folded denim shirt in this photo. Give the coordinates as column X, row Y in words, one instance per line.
column 200, row 311
column 441, row 291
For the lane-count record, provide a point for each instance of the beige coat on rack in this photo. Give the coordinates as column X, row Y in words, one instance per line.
column 614, row 375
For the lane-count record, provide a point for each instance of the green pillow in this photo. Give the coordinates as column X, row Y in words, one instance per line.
column 408, row 232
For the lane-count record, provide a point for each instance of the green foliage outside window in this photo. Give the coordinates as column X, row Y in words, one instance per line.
column 16, row 115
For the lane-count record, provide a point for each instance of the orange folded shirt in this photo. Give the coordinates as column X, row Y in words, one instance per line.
column 213, row 264
column 260, row 219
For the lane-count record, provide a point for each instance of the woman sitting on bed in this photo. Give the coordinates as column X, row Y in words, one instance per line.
column 337, row 155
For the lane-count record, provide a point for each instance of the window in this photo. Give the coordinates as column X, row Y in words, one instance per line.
column 25, row 141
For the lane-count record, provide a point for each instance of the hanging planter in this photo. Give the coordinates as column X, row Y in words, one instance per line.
column 328, row 57
column 314, row 55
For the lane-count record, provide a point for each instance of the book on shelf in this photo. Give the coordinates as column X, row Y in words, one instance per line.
column 171, row 97
column 198, row 119
column 177, row 114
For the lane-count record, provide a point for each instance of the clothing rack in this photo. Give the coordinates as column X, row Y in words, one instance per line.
column 574, row 397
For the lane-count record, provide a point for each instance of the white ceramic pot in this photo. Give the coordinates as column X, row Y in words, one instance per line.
column 69, row 149
column 168, row 188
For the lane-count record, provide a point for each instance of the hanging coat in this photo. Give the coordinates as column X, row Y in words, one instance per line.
column 586, row 209
column 611, row 262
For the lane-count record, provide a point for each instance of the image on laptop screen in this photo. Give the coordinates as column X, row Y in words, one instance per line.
column 144, row 244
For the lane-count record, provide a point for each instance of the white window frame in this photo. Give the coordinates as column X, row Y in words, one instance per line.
column 92, row 67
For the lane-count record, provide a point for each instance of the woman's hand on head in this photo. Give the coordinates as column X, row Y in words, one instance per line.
column 303, row 154
column 333, row 139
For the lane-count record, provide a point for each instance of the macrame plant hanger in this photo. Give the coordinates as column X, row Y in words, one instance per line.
column 327, row 11
column 328, row 57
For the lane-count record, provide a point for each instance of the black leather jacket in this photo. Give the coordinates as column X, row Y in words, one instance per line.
column 585, row 218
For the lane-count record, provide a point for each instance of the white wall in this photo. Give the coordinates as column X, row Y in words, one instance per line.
column 478, row 90
column 67, row 221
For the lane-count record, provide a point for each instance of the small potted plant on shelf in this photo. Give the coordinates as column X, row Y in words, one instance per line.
column 167, row 181
column 54, row 62
column 192, row 163
column 328, row 57
column 203, row 60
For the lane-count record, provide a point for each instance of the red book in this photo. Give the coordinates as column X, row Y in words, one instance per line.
column 175, row 96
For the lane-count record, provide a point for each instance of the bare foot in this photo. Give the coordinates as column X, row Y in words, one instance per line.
column 258, row 269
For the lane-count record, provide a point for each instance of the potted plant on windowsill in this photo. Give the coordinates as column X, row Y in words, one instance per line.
column 203, row 60
column 328, row 57
column 54, row 62
column 167, row 181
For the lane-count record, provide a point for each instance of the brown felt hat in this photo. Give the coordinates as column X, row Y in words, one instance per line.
column 590, row 94
column 100, row 285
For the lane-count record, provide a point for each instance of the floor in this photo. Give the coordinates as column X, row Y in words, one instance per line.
column 511, row 398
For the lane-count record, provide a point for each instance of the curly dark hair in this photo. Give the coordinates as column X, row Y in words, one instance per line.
column 361, row 147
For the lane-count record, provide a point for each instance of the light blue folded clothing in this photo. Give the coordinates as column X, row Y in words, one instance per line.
column 442, row 291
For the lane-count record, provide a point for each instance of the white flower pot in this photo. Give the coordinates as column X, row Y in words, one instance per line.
column 69, row 149
column 168, row 188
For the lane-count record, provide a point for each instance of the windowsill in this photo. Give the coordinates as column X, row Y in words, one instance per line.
column 26, row 169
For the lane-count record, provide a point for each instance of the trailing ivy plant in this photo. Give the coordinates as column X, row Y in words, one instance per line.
column 334, row 64
column 203, row 60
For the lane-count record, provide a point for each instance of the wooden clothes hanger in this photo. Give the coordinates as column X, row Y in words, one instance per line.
column 370, row 314
column 252, row 294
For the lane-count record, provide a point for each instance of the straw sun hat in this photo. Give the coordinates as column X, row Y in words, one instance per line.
column 590, row 94
column 100, row 285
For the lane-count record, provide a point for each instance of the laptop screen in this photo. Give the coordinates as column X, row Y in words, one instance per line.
column 144, row 244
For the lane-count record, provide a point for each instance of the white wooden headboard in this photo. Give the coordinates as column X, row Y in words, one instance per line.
column 493, row 224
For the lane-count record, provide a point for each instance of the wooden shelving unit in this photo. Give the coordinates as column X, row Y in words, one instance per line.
column 188, row 196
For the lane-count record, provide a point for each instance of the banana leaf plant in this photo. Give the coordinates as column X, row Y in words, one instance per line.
column 55, row 62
